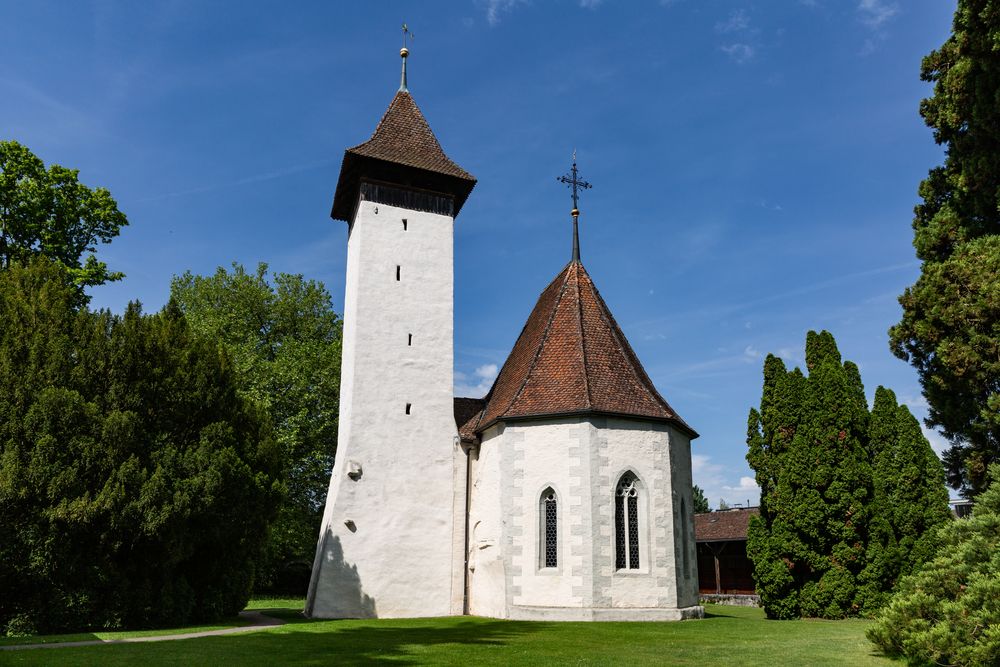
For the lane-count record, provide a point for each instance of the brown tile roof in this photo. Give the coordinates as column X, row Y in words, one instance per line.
column 467, row 411
column 723, row 525
column 572, row 358
column 402, row 151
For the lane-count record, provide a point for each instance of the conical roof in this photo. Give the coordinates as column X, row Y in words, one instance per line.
column 572, row 358
column 402, row 151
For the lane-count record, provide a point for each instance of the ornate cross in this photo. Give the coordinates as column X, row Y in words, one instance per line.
column 407, row 33
column 572, row 179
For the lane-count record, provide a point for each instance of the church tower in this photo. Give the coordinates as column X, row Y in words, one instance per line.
column 392, row 520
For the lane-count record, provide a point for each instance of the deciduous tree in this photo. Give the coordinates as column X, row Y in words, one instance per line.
column 284, row 340
column 48, row 212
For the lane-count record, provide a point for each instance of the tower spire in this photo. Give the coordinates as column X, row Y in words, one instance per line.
column 572, row 179
column 403, row 53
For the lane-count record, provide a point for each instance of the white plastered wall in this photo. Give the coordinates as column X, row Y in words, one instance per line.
column 582, row 459
column 386, row 547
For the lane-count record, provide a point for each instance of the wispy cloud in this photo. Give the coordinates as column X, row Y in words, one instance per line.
column 739, row 52
column 495, row 9
column 480, row 382
column 717, row 481
column 875, row 13
column 737, row 21
column 590, row 4
column 737, row 26
column 247, row 180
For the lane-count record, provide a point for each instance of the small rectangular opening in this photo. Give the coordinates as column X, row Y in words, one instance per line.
column 409, row 339
column 404, row 224
column 407, row 408
column 397, row 272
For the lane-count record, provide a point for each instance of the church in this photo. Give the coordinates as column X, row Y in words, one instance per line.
column 563, row 494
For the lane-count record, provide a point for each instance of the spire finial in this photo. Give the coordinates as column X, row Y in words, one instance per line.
column 403, row 53
column 572, row 179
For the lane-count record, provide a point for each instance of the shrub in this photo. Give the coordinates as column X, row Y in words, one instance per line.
column 948, row 611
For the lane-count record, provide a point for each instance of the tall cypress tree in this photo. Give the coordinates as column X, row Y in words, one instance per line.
column 847, row 497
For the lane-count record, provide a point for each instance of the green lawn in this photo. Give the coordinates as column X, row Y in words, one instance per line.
column 727, row 636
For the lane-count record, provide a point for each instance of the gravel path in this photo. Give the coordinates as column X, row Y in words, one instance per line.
column 258, row 621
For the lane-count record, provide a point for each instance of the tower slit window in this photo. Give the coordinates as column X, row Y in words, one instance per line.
column 397, row 272
column 404, row 224
column 549, row 516
column 409, row 339
column 627, row 523
column 407, row 408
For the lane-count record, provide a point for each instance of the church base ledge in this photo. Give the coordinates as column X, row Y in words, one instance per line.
column 526, row 613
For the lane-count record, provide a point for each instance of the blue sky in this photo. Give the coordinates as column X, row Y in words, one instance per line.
column 755, row 164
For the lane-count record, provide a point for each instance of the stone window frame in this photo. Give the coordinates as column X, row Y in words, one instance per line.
column 540, row 532
column 643, row 533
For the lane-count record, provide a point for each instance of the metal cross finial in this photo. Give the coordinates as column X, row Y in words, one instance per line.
column 573, row 181
column 403, row 52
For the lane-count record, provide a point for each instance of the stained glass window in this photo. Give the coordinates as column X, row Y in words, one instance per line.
column 550, row 524
column 627, row 523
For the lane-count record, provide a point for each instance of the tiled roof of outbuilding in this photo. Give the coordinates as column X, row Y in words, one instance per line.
column 723, row 525
column 572, row 358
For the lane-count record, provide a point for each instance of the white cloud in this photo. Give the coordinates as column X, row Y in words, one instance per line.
column 875, row 13
column 715, row 481
column 739, row 52
column 497, row 8
column 590, row 4
column 479, row 384
column 738, row 21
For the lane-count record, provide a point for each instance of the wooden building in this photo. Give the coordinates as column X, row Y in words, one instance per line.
column 723, row 566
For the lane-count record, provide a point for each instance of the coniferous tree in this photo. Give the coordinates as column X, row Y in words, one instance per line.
column 136, row 485
column 847, row 497
column 951, row 316
column 910, row 494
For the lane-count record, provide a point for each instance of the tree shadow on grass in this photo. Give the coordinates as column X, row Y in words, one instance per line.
column 402, row 642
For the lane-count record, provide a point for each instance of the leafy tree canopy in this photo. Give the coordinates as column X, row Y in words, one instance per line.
column 48, row 212
column 136, row 485
column 284, row 341
column 950, row 329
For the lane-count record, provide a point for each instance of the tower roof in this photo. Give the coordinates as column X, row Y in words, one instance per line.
column 402, row 151
column 572, row 358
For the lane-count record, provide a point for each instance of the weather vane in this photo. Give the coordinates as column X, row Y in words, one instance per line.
column 572, row 179
column 403, row 52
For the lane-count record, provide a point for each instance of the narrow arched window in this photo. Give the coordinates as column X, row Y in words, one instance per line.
column 549, row 520
column 627, row 523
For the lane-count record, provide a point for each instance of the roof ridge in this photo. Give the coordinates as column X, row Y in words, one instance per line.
column 541, row 343
column 583, row 335
column 623, row 345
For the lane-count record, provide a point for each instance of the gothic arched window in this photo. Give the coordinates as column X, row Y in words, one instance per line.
column 627, row 523
column 548, row 514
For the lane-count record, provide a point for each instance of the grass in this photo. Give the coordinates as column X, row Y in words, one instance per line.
column 727, row 636
column 117, row 634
